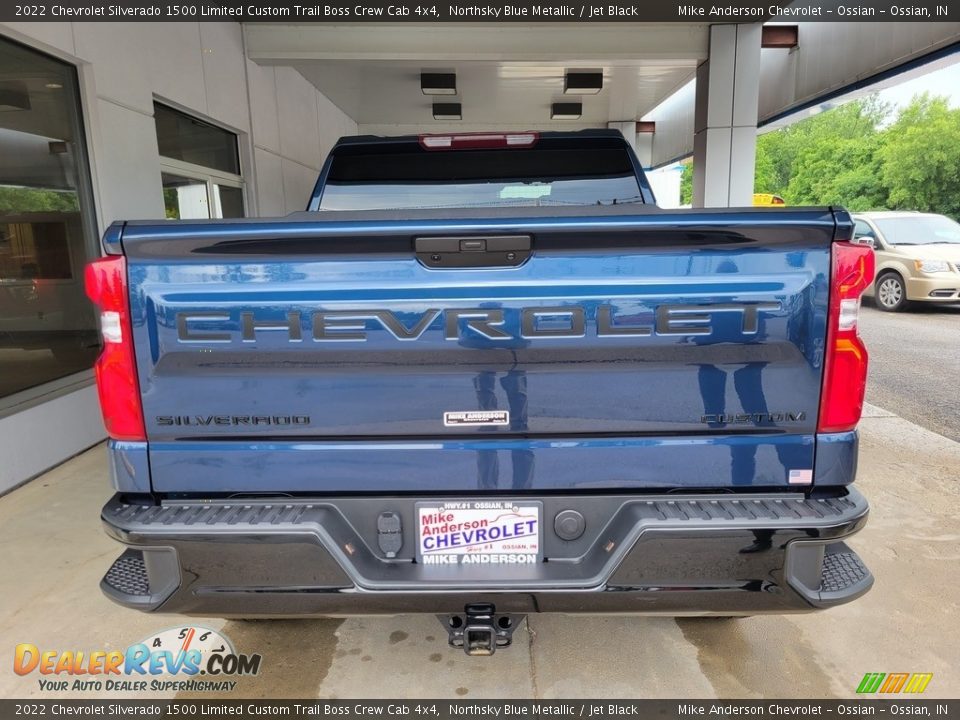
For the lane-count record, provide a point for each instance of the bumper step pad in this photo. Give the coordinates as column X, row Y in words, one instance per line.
column 127, row 582
column 827, row 575
column 128, row 574
column 842, row 570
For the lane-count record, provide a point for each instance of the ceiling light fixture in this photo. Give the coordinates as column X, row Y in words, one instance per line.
column 447, row 111
column 438, row 83
column 566, row 111
column 582, row 83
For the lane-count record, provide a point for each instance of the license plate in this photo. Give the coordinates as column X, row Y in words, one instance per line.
column 476, row 533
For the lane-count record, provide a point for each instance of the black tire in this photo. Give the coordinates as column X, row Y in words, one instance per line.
column 890, row 294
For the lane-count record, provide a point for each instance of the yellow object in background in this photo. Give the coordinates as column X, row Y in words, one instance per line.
column 767, row 200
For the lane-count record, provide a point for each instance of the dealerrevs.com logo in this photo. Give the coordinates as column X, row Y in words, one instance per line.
column 894, row 683
column 179, row 659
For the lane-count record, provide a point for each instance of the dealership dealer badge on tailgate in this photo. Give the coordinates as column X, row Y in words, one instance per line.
column 476, row 418
column 478, row 532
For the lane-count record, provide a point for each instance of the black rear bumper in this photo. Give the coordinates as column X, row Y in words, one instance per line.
column 710, row 554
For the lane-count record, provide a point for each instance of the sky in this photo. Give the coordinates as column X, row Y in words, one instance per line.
column 945, row 81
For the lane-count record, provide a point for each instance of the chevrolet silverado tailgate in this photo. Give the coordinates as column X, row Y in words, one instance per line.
column 484, row 350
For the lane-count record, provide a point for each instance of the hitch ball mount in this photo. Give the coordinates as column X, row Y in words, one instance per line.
column 480, row 630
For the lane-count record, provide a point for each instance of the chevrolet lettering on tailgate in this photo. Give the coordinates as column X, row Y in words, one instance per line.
column 342, row 325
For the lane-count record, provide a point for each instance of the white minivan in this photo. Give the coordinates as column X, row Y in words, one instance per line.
column 918, row 257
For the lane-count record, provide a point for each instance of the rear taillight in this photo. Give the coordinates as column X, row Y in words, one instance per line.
column 106, row 283
column 845, row 361
column 477, row 141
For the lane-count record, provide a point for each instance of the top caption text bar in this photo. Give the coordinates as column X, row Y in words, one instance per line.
column 425, row 11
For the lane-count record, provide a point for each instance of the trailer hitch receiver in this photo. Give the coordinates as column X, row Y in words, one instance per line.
column 480, row 630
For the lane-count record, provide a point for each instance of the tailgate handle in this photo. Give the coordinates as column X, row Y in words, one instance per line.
column 472, row 251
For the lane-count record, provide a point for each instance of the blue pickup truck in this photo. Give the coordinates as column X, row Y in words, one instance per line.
column 482, row 376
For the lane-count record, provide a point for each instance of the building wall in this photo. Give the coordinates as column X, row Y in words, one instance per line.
column 674, row 118
column 68, row 423
column 284, row 124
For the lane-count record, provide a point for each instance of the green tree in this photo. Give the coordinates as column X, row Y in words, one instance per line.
column 686, row 184
column 853, row 155
column 920, row 158
column 765, row 177
column 15, row 199
column 829, row 158
column 843, row 172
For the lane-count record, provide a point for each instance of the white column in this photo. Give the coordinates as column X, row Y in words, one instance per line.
column 725, row 118
column 627, row 128
column 644, row 148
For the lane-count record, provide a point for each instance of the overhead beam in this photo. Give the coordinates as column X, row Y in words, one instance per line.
column 278, row 44
column 780, row 36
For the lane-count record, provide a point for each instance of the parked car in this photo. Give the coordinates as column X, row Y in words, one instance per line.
column 484, row 376
column 918, row 257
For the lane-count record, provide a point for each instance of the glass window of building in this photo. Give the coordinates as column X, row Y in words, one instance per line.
column 48, row 328
column 199, row 167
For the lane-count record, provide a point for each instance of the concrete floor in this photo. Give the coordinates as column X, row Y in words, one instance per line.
column 55, row 554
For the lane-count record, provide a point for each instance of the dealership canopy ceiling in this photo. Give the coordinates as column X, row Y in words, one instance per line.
column 506, row 76
column 496, row 94
column 509, row 75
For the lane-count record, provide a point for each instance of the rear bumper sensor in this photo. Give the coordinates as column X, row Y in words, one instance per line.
column 711, row 554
